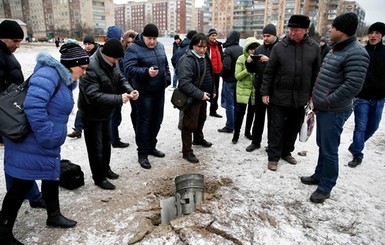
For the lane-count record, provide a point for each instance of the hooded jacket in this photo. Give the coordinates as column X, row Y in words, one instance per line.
column 290, row 74
column 245, row 88
column 182, row 49
column 230, row 55
column 37, row 157
column 138, row 59
column 100, row 89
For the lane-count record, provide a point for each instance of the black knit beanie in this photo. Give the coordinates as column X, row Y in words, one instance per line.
column 89, row 39
column 10, row 29
column 299, row 21
column 190, row 34
column 346, row 23
column 150, row 30
column 270, row 29
column 211, row 32
column 73, row 55
column 113, row 48
column 378, row 26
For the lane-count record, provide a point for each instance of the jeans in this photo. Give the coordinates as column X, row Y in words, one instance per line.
column 116, row 119
column 33, row 195
column 329, row 129
column 78, row 125
column 367, row 118
column 228, row 101
column 174, row 80
column 150, row 109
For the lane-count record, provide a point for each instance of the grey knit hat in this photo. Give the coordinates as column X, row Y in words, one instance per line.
column 270, row 29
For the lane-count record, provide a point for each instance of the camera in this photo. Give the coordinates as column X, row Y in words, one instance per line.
column 155, row 67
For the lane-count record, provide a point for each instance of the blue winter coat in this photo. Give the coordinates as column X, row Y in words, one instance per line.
column 37, row 157
column 138, row 58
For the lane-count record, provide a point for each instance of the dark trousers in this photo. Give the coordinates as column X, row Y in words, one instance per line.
column 19, row 189
column 133, row 113
column 214, row 100
column 78, row 125
column 194, row 119
column 149, row 118
column 240, row 114
column 116, row 119
column 283, row 130
column 259, row 121
column 98, row 143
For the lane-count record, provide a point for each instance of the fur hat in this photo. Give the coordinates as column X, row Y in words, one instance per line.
column 211, row 32
column 73, row 55
column 378, row 26
column 11, row 29
column 114, row 32
column 113, row 48
column 299, row 21
column 270, row 29
column 89, row 39
column 150, row 30
column 190, row 34
column 346, row 23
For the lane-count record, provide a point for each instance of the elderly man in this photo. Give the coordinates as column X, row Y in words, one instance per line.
column 340, row 79
column 288, row 79
column 145, row 63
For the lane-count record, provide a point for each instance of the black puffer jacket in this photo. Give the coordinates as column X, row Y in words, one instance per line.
column 10, row 69
column 189, row 75
column 374, row 86
column 230, row 55
column 341, row 76
column 182, row 49
column 290, row 74
column 100, row 89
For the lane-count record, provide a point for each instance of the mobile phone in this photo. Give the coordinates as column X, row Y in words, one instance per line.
column 155, row 67
column 256, row 57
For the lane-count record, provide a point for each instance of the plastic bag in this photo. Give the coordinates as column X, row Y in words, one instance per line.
column 307, row 125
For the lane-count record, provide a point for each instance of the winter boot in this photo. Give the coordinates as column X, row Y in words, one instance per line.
column 6, row 226
column 55, row 218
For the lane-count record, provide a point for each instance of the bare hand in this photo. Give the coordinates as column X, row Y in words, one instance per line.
column 152, row 72
column 125, row 98
column 134, row 95
column 206, row 96
column 266, row 99
column 249, row 59
column 264, row 58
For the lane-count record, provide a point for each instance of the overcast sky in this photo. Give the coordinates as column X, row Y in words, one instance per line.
column 374, row 9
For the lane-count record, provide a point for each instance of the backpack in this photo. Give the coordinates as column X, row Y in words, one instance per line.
column 71, row 175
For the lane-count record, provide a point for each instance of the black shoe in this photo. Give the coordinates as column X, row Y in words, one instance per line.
column 157, row 153
column 214, row 114
column 309, row 180
column 225, row 130
column 75, row 134
column 144, row 163
column 190, row 157
column 106, row 185
column 235, row 138
column 37, row 204
column 111, row 175
column 120, row 145
column 58, row 220
column 253, row 147
column 203, row 143
column 319, row 196
column 249, row 136
column 355, row 162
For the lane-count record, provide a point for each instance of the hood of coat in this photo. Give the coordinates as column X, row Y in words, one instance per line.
column 248, row 42
column 44, row 59
column 232, row 39
column 139, row 40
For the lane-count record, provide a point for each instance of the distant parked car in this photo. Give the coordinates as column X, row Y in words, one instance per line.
column 43, row 39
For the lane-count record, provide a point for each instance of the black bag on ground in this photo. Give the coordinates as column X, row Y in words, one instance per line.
column 71, row 175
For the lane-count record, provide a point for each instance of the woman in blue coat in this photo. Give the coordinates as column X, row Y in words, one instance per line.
column 48, row 103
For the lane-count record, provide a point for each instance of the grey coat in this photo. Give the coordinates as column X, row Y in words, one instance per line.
column 341, row 77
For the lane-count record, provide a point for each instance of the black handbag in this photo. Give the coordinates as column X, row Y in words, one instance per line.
column 13, row 121
column 71, row 175
column 180, row 100
column 14, row 124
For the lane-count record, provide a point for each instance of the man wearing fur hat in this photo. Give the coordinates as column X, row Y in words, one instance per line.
column 145, row 63
column 11, row 36
column 257, row 66
column 339, row 81
column 100, row 91
column 215, row 52
column 369, row 103
column 288, row 79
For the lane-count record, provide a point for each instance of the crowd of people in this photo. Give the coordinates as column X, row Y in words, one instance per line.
column 275, row 79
